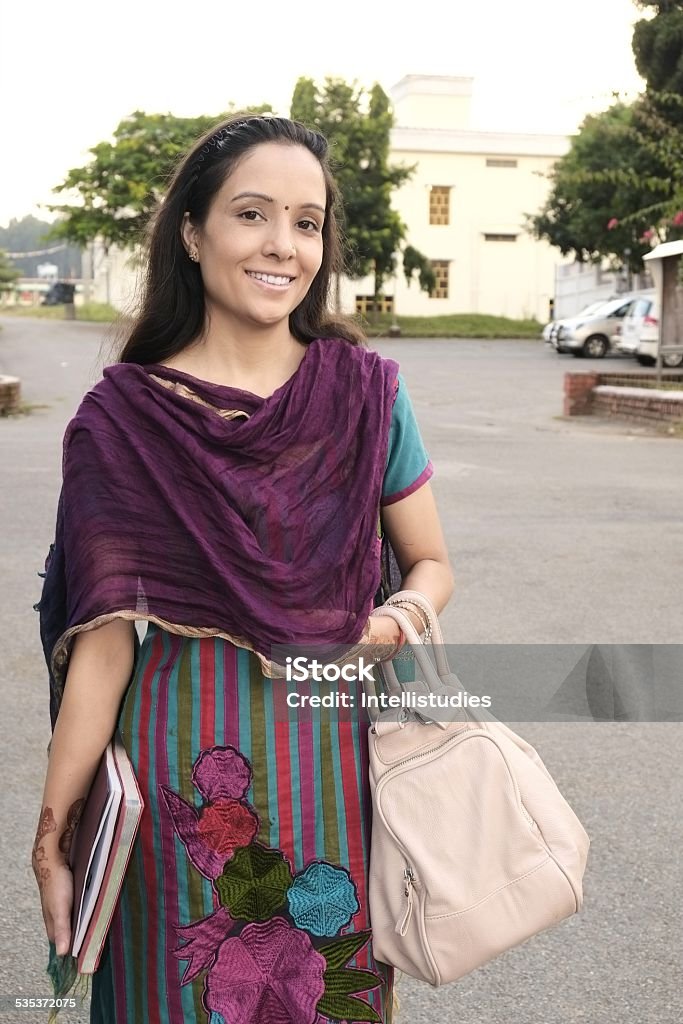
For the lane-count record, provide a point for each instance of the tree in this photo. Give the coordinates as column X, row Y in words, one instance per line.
column 358, row 126
column 119, row 188
column 658, row 46
column 594, row 190
column 620, row 187
column 8, row 273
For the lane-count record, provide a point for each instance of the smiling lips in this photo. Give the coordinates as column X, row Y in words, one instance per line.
column 274, row 280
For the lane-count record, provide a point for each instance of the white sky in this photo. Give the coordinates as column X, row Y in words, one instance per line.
column 69, row 72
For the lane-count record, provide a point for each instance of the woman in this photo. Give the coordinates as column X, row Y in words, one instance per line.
column 224, row 482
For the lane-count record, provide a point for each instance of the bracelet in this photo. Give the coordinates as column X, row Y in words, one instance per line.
column 419, row 612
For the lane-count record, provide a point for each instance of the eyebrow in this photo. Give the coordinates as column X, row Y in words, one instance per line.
column 269, row 199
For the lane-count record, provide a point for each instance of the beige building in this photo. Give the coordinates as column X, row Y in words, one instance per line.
column 465, row 207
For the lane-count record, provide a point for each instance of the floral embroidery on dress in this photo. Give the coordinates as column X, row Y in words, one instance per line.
column 272, row 950
column 322, row 899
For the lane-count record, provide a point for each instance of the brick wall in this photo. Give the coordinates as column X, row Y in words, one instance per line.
column 10, row 394
column 623, row 396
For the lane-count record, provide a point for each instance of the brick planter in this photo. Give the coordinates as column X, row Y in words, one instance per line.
column 10, row 394
column 623, row 396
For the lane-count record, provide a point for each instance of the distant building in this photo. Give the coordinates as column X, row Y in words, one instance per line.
column 465, row 208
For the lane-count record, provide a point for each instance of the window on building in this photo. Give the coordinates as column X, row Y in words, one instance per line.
column 499, row 237
column 366, row 304
column 439, row 204
column 440, row 289
column 495, row 161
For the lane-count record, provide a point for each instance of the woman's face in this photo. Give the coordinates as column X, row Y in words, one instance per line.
column 261, row 245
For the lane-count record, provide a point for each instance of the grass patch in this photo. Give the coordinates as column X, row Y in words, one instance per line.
column 23, row 409
column 455, row 325
column 91, row 312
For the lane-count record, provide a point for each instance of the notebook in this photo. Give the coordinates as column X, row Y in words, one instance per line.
column 100, row 852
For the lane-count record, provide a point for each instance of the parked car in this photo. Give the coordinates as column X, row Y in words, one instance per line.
column 550, row 330
column 641, row 334
column 594, row 334
column 60, row 291
column 639, row 313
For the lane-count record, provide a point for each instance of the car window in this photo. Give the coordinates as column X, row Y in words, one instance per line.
column 621, row 311
column 593, row 308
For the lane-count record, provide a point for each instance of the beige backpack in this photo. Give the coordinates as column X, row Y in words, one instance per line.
column 474, row 849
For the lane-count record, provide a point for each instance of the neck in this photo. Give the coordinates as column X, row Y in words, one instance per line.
column 246, row 356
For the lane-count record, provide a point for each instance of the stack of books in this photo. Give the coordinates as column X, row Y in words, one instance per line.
column 100, row 852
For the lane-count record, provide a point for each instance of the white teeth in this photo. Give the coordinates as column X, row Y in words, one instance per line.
column 269, row 278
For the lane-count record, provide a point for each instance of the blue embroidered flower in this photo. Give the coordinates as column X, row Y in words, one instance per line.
column 322, row 899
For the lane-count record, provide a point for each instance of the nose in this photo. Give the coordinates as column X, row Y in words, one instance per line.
column 279, row 242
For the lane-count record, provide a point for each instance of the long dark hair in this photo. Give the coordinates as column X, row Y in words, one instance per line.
column 172, row 312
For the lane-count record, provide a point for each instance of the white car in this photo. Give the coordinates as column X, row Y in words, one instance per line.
column 551, row 330
column 638, row 315
column 594, row 332
column 640, row 334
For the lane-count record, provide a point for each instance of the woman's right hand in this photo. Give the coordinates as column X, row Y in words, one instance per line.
column 56, row 886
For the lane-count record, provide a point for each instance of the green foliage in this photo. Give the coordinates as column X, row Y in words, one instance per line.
column 8, row 273
column 620, row 188
column 657, row 46
column 117, row 190
column 603, row 190
column 414, row 262
column 358, row 125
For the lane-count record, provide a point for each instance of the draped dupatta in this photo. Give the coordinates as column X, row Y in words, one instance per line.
column 218, row 512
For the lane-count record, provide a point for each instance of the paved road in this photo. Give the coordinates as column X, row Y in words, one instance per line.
column 561, row 532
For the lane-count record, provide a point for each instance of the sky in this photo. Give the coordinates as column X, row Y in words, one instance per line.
column 70, row 72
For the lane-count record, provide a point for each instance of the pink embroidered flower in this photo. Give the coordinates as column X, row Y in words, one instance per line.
column 221, row 772
column 201, row 942
column 677, row 219
column 612, row 224
column 270, row 972
column 226, row 825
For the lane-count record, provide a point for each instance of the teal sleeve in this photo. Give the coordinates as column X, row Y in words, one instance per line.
column 408, row 464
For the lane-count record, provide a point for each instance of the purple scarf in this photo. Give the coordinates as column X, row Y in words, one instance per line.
column 262, row 529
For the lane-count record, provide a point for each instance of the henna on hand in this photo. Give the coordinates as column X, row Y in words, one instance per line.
column 46, row 824
column 73, row 816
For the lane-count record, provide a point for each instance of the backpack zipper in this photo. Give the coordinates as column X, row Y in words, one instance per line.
column 408, row 882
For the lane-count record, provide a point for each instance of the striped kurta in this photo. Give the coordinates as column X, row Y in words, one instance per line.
column 245, row 900
column 309, row 791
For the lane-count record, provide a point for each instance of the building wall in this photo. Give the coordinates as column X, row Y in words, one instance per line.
column 495, row 179
column 579, row 284
column 111, row 276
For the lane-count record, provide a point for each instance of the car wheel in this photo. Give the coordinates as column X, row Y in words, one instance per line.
column 646, row 360
column 673, row 360
column 595, row 346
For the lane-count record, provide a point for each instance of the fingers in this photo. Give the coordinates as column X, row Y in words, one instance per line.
column 62, row 937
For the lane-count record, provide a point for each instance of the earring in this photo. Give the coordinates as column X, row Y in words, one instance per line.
column 194, row 255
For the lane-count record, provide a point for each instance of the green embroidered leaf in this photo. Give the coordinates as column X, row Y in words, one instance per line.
column 347, row 1008
column 254, row 883
column 349, row 981
column 340, row 951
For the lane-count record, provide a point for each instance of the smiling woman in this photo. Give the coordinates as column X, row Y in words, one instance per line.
column 234, row 481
